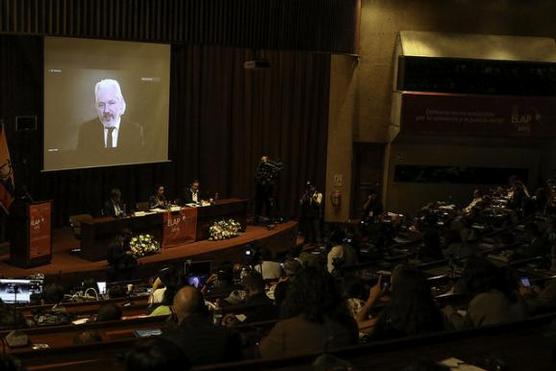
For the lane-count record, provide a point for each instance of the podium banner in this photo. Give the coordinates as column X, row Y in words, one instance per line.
column 179, row 227
column 39, row 230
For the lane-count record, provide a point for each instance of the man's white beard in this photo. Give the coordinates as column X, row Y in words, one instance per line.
column 111, row 123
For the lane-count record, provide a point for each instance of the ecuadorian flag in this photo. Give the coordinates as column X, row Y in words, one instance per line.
column 7, row 187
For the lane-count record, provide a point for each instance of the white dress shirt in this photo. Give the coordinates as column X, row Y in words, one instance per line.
column 118, row 210
column 195, row 196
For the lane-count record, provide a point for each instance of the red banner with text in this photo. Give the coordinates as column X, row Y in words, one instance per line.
column 39, row 230
column 179, row 227
column 478, row 115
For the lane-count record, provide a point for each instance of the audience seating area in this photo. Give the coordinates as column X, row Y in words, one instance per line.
column 473, row 284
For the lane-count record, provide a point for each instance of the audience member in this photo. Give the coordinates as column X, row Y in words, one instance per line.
column 156, row 354
column 87, row 337
column 259, row 306
column 8, row 363
column 340, row 254
column 310, row 259
column 327, row 362
column 411, row 310
column 315, row 315
column 538, row 245
column 166, row 276
column 353, row 291
column 540, row 301
column 109, row 312
column 456, row 248
column 291, row 267
column 475, row 202
column 518, row 193
column 220, row 283
column 170, row 279
column 540, row 200
column 426, row 365
column 431, row 249
column 122, row 266
column 53, row 293
column 117, row 291
column 201, row 341
column 493, row 299
column 10, row 317
column 271, row 270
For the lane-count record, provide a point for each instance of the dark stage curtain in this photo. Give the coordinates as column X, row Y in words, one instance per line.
column 222, row 119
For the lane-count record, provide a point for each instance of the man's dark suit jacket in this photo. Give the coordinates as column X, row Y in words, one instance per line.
column 205, row 343
column 108, row 209
column 188, row 196
column 91, row 137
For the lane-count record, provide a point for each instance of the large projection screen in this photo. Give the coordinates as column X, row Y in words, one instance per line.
column 105, row 103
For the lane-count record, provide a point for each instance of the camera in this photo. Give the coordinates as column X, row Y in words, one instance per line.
column 268, row 171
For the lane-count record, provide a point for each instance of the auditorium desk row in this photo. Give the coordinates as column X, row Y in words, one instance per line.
column 131, row 306
column 487, row 347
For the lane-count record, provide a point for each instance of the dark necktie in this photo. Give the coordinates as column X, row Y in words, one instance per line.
column 110, row 140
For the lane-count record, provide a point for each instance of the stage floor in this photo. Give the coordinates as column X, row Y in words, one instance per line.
column 64, row 262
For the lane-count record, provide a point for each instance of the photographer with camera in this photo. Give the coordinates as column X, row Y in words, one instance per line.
column 265, row 179
column 311, row 213
column 121, row 265
column 220, row 283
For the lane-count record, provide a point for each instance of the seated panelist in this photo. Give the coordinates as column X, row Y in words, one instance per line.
column 114, row 206
column 158, row 200
column 192, row 194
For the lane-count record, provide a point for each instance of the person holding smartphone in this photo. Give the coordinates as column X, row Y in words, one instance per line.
column 364, row 321
column 411, row 309
column 538, row 300
column 493, row 296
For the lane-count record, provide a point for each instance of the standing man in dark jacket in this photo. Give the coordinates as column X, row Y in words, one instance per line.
column 311, row 213
column 266, row 176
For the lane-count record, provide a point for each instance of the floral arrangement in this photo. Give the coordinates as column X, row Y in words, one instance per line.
column 143, row 245
column 224, row 229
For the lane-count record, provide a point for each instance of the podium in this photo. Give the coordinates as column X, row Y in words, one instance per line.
column 30, row 234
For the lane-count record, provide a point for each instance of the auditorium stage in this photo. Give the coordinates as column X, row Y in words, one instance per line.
column 71, row 267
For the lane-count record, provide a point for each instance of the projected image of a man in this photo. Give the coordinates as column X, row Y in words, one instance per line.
column 110, row 104
column 110, row 131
